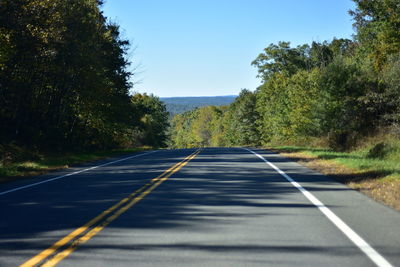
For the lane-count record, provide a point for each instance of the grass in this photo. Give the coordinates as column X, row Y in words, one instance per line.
column 376, row 174
column 45, row 163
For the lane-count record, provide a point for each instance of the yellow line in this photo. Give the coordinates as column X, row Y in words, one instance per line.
column 62, row 242
column 63, row 254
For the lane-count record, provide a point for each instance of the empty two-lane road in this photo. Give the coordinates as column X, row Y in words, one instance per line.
column 189, row 207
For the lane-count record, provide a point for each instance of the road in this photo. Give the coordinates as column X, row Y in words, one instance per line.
column 189, row 207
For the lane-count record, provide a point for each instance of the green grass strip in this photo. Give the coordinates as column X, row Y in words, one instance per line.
column 49, row 162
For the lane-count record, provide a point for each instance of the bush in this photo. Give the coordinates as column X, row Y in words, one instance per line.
column 342, row 140
column 12, row 153
column 381, row 150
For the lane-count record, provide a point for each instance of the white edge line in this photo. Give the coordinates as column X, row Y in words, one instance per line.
column 73, row 173
column 377, row 258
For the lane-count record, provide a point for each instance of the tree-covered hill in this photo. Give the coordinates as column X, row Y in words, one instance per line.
column 177, row 105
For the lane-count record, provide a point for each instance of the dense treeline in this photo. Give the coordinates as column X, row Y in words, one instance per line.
column 231, row 125
column 177, row 105
column 64, row 82
column 337, row 91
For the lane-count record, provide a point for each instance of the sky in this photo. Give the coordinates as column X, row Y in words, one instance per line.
column 205, row 47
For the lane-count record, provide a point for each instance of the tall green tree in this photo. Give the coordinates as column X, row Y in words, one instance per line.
column 63, row 75
column 241, row 129
column 377, row 24
column 151, row 120
column 281, row 58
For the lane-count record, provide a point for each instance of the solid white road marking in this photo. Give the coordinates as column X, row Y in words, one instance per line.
column 73, row 173
column 377, row 258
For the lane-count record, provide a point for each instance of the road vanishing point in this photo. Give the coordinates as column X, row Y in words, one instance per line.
column 193, row 207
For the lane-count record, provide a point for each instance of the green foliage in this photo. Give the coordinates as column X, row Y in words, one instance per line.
column 339, row 91
column 63, row 78
column 360, row 161
column 25, row 163
column 152, row 120
column 234, row 125
column 181, row 131
column 332, row 89
column 380, row 150
column 198, row 128
column 241, row 120
column 378, row 26
column 391, row 95
column 281, row 58
column 273, row 107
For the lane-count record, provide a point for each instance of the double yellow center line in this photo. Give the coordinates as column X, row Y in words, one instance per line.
column 65, row 246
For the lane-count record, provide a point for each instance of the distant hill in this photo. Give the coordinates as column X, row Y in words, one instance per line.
column 176, row 105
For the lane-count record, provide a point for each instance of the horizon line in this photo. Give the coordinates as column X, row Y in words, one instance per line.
column 196, row 96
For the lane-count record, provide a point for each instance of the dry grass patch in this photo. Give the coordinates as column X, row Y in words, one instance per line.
column 380, row 184
column 383, row 190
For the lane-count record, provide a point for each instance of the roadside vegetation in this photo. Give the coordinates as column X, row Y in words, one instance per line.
column 337, row 101
column 340, row 91
column 29, row 165
column 65, row 86
column 65, row 97
column 373, row 168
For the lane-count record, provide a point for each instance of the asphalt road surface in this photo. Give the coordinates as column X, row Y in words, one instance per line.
column 189, row 207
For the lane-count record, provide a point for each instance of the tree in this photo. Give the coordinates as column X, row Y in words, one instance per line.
column 63, row 77
column 378, row 28
column 151, row 119
column 243, row 117
column 281, row 58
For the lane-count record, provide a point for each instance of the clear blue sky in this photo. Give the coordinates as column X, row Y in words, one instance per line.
column 205, row 47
